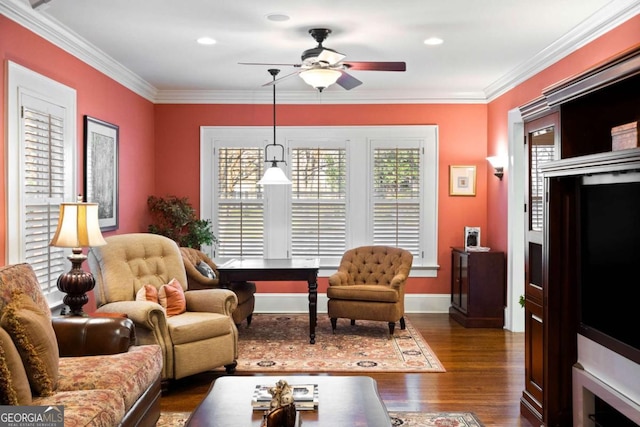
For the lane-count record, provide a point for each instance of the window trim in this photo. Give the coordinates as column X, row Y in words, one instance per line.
column 21, row 80
column 358, row 144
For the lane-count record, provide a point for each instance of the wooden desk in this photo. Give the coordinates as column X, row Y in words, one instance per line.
column 342, row 401
column 242, row 270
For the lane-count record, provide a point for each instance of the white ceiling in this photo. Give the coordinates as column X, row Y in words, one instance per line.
column 488, row 44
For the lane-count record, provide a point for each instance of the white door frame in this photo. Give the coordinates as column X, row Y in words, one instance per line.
column 516, row 222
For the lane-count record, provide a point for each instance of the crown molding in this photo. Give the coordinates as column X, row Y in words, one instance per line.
column 313, row 97
column 607, row 18
column 52, row 31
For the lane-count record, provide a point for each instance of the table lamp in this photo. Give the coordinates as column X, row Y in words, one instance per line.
column 78, row 227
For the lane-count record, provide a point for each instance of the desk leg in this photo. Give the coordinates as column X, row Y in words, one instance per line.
column 313, row 309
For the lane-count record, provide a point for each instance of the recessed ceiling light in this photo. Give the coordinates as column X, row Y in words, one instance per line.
column 433, row 41
column 277, row 17
column 206, row 40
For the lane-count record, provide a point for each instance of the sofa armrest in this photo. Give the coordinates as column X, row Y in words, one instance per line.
column 221, row 301
column 86, row 336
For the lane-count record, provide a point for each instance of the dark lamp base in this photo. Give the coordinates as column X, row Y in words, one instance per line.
column 75, row 284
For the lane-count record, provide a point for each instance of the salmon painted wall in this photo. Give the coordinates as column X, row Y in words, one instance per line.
column 617, row 40
column 97, row 96
column 178, row 148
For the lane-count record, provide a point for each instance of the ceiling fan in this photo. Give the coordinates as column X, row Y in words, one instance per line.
column 321, row 67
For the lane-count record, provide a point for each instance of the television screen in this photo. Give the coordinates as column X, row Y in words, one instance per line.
column 609, row 261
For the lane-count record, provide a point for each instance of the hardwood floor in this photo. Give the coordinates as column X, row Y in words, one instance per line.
column 485, row 375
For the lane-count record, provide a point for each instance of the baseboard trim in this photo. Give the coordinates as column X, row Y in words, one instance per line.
column 299, row 303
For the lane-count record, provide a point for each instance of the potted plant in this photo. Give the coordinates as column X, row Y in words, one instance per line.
column 176, row 218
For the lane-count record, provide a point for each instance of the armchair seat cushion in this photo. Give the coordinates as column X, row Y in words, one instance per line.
column 197, row 326
column 364, row 293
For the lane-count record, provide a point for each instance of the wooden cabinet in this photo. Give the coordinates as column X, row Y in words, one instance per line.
column 477, row 288
column 589, row 106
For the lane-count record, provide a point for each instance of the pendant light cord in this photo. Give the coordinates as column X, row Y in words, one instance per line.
column 274, row 72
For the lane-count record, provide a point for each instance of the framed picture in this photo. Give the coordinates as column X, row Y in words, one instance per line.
column 471, row 237
column 462, row 180
column 101, row 170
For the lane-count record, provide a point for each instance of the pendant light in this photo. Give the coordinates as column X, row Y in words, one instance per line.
column 273, row 175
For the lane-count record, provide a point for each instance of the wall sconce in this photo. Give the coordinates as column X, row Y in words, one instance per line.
column 78, row 227
column 498, row 164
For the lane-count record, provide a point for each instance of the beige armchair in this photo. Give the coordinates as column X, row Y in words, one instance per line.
column 202, row 338
column 198, row 279
column 369, row 285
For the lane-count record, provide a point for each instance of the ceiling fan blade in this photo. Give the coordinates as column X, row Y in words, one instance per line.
column 376, row 66
column 347, row 81
column 330, row 56
column 271, row 83
column 268, row 63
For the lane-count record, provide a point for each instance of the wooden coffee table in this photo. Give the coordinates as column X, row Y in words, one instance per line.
column 342, row 401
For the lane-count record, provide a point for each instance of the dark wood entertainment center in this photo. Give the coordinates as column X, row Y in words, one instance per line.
column 584, row 108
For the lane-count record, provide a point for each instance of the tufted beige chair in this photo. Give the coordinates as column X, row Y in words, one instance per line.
column 197, row 280
column 200, row 339
column 369, row 285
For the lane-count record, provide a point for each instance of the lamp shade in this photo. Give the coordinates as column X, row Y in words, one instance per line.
column 274, row 176
column 320, row 78
column 496, row 161
column 78, row 226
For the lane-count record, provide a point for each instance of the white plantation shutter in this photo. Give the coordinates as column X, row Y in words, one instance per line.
column 43, row 192
column 239, row 215
column 396, row 182
column 318, row 206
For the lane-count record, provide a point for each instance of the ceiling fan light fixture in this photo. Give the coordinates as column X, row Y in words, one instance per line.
column 320, row 78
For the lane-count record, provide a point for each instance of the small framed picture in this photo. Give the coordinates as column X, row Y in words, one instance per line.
column 462, row 180
column 471, row 237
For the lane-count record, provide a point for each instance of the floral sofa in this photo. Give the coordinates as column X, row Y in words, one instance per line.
column 89, row 365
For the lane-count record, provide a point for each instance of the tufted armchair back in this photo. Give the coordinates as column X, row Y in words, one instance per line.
column 142, row 258
column 380, row 265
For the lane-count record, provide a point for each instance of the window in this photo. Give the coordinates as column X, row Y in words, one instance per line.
column 542, row 149
column 239, row 216
column 319, row 198
column 352, row 186
column 41, row 153
column 396, row 195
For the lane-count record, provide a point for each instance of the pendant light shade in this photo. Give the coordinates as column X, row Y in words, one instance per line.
column 274, row 175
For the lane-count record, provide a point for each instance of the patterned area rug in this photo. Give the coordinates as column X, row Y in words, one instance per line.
column 405, row 419
column 280, row 343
